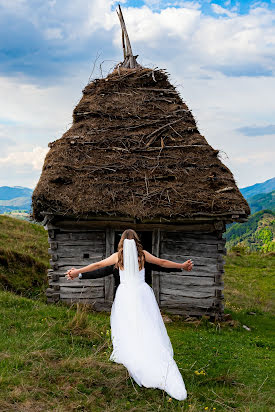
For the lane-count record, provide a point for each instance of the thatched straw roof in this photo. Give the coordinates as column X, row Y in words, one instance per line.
column 134, row 150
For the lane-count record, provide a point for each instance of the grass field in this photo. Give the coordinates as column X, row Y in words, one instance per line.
column 56, row 358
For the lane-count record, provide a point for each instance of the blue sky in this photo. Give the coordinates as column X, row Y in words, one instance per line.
column 242, row 7
column 220, row 55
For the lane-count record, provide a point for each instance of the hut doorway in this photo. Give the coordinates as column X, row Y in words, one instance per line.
column 146, row 241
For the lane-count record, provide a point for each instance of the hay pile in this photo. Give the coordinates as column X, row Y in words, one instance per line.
column 134, row 150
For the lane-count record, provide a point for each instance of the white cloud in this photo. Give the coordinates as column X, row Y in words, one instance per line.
column 34, row 158
column 258, row 158
column 30, row 105
column 221, row 10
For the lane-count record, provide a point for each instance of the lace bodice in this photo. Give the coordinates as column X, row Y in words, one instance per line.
column 124, row 280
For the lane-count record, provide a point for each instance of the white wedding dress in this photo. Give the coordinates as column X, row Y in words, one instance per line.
column 139, row 337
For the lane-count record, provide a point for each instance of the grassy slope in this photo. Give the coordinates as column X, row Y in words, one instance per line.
column 24, row 256
column 249, row 282
column 55, row 358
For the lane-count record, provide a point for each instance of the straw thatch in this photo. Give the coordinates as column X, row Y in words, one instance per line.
column 134, row 150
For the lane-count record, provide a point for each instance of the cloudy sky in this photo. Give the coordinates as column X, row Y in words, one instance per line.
column 220, row 55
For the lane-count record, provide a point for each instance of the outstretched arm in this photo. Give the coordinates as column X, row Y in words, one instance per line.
column 111, row 260
column 188, row 265
column 98, row 273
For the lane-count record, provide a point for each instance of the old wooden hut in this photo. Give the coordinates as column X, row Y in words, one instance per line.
column 134, row 158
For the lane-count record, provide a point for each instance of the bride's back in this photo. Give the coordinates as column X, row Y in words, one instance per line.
column 122, row 268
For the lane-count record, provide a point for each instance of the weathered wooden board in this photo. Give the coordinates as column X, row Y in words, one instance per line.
column 63, row 268
column 95, row 236
column 192, row 292
column 176, row 236
column 195, row 247
column 78, row 283
column 197, row 260
column 197, row 271
column 182, row 281
column 88, row 225
column 188, row 248
column 80, row 243
column 82, row 289
column 77, row 251
column 91, row 293
column 73, row 262
column 182, row 301
column 195, row 244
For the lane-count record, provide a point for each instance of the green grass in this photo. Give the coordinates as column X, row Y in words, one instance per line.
column 55, row 358
column 24, row 257
column 249, row 281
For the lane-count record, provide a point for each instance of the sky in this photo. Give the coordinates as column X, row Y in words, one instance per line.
column 220, row 56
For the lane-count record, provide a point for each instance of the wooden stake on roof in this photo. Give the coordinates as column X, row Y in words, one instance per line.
column 129, row 59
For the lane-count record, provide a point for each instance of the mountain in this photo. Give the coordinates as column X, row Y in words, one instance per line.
column 256, row 234
column 8, row 193
column 265, row 187
column 15, row 198
column 262, row 201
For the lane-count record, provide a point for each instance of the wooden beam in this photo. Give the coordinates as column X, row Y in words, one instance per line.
column 129, row 52
column 122, row 224
column 109, row 281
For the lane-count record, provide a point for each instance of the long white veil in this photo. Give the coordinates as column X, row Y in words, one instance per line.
column 130, row 259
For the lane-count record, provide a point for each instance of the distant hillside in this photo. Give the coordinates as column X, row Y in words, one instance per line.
column 265, row 187
column 257, row 234
column 15, row 198
column 7, row 192
column 262, row 201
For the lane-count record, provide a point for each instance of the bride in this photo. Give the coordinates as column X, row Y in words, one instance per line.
column 139, row 337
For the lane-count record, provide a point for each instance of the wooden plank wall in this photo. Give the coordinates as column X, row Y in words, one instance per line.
column 109, row 281
column 197, row 292
column 75, row 248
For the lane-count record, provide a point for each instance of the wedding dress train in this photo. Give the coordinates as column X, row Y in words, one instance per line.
column 139, row 337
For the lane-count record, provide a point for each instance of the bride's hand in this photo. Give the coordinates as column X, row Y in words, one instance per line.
column 188, row 265
column 72, row 273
